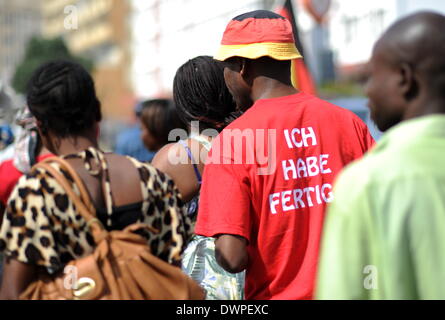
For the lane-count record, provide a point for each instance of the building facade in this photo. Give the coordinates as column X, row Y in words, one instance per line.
column 354, row 29
column 19, row 21
column 99, row 30
column 167, row 33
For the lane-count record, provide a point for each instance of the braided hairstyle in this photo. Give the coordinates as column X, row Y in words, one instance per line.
column 61, row 95
column 201, row 94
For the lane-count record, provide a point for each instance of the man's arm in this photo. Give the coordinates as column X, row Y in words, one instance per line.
column 231, row 252
column 225, row 209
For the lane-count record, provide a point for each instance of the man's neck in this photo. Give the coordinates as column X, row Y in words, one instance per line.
column 425, row 107
column 267, row 88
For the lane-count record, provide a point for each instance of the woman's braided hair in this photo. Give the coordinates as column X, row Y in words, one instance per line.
column 62, row 97
column 200, row 93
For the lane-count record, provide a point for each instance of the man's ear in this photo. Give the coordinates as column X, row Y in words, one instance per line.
column 233, row 63
column 408, row 82
column 243, row 66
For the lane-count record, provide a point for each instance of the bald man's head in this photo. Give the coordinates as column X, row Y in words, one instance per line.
column 418, row 39
column 408, row 63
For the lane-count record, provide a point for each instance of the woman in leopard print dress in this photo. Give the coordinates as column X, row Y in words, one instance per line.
column 41, row 228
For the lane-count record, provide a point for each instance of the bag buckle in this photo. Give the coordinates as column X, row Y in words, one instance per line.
column 84, row 287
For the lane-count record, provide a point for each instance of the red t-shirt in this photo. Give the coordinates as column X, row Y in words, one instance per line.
column 279, row 210
column 9, row 176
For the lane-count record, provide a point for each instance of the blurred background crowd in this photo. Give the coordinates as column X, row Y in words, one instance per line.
column 134, row 47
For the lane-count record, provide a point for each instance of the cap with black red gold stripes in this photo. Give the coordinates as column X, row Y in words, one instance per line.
column 257, row 34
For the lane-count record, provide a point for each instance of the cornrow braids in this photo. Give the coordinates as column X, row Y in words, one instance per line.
column 61, row 95
column 201, row 94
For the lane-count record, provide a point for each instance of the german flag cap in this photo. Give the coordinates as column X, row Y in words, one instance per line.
column 257, row 34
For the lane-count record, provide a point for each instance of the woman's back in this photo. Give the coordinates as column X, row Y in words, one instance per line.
column 43, row 228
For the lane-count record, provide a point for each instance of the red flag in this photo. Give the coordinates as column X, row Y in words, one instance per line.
column 301, row 77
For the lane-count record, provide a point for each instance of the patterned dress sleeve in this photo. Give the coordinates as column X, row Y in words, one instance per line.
column 181, row 225
column 165, row 212
column 25, row 233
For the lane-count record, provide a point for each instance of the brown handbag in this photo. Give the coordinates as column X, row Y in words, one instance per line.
column 121, row 266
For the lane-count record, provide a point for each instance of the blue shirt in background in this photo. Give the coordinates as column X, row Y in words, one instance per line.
column 129, row 143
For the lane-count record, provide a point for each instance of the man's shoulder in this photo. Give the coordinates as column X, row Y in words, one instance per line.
column 303, row 103
column 386, row 164
column 327, row 108
column 292, row 111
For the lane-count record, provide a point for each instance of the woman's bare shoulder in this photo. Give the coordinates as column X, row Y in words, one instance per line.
column 166, row 156
column 173, row 159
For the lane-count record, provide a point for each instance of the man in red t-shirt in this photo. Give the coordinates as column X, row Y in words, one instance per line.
column 269, row 175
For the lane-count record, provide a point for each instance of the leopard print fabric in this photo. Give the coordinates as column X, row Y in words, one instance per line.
column 41, row 226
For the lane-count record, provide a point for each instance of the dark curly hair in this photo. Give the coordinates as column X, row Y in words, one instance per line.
column 160, row 116
column 61, row 95
column 201, row 94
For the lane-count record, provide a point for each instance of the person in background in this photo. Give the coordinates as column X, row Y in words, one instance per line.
column 384, row 236
column 129, row 142
column 6, row 136
column 41, row 230
column 202, row 98
column 8, row 132
column 158, row 118
column 28, row 150
column 269, row 174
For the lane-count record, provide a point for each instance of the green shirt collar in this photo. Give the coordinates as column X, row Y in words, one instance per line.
column 422, row 127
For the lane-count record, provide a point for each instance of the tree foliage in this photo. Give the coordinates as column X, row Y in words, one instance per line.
column 39, row 51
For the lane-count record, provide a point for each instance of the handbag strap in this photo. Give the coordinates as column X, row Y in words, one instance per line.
column 83, row 204
column 106, row 186
column 95, row 156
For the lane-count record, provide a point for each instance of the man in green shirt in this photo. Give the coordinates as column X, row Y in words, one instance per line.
column 384, row 236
